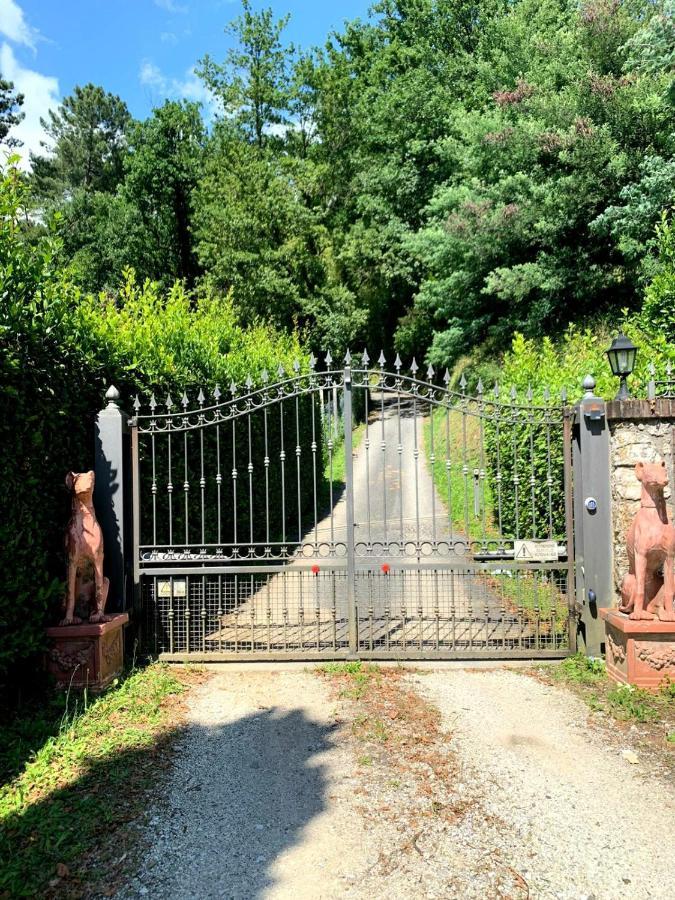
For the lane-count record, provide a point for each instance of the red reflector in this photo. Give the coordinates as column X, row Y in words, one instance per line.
column 315, row 570
column 385, row 568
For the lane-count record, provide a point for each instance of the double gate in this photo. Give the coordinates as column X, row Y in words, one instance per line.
column 354, row 511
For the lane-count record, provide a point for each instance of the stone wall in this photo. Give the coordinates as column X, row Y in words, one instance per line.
column 639, row 430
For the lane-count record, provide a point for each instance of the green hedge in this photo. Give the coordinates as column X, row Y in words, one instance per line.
column 59, row 352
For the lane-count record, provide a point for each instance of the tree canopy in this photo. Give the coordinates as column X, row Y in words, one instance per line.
column 432, row 178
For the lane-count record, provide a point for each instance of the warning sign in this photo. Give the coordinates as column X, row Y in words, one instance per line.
column 536, row 551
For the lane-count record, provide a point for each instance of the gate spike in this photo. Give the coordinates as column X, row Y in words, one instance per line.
column 216, row 393
column 495, row 390
column 137, row 404
column 529, row 393
column 414, row 367
column 169, row 402
column 184, row 400
column 398, row 363
column 651, row 368
column 462, row 382
column 348, row 358
column 312, row 362
column 513, row 394
column 365, row 359
column 153, row 403
column 200, row 397
column 479, row 387
column 329, row 359
column 233, row 388
column 446, row 377
column 264, row 376
column 249, row 383
column 281, row 371
column 430, row 372
column 547, row 394
column 563, row 395
column 296, row 366
column 381, row 359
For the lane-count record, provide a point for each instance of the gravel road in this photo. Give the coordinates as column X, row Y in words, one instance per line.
column 579, row 821
column 270, row 797
column 260, row 799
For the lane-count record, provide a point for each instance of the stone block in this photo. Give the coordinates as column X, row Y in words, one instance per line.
column 87, row 655
column 640, row 653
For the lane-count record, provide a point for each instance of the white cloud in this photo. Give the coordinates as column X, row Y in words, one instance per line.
column 171, row 6
column 168, row 37
column 14, row 27
column 190, row 87
column 41, row 92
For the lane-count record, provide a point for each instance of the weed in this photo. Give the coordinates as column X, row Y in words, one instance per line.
column 580, row 669
column 365, row 760
column 627, row 702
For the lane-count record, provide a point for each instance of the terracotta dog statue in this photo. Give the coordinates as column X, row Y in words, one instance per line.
column 84, row 552
column 647, row 590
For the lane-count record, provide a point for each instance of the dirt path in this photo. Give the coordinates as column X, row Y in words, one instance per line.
column 440, row 784
column 579, row 820
column 259, row 803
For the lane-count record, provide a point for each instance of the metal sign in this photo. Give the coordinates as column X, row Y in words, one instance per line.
column 536, row 551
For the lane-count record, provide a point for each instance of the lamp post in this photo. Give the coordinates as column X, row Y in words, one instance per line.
column 621, row 356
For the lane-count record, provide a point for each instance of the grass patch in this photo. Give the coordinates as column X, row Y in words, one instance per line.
column 76, row 774
column 623, row 702
column 457, row 441
column 339, row 474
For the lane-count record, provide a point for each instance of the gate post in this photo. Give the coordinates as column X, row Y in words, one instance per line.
column 592, row 514
column 110, row 495
column 352, row 612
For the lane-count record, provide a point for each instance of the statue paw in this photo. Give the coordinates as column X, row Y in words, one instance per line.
column 641, row 615
column 665, row 615
column 71, row 620
column 95, row 618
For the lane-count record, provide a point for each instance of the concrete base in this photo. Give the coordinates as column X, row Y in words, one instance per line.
column 87, row 655
column 640, row 653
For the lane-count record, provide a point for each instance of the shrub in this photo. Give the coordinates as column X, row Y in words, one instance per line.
column 59, row 351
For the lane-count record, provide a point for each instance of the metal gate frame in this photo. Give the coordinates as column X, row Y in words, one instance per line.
column 175, row 561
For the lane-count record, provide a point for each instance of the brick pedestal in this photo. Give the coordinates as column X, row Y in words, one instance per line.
column 639, row 653
column 87, row 655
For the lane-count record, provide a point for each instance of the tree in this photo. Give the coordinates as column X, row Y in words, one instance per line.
column 10, row 112
column 161, row 172
column 88, row 136
column 252, row 82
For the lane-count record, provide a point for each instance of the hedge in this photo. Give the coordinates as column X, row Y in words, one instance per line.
column 59, row 352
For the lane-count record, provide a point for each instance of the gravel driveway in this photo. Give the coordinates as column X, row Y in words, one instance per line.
column 270, row 796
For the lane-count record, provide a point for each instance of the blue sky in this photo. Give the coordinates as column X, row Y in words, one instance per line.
column 143, row 50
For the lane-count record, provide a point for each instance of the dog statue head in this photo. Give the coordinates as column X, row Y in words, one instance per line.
column 652, row 475
column 80, row 484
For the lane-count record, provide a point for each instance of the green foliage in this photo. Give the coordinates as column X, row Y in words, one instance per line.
column 252, row 83
column 86, row 776
column 87, row 135
column 49, row 397
column 60, row 350
column 581, row 669
column 10, row 111
column 658, row 312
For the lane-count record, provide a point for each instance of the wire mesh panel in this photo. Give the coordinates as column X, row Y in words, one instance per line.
column 354, row 510
column 460, row 612
column 268, row 613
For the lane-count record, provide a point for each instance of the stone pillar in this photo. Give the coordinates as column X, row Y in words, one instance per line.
column 639, row 430
column 111, row 497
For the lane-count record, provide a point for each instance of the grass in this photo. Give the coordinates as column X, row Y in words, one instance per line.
column 457, row 438
column 339, row 475
column 460, row 445
column 623, row 702
column 77, row 770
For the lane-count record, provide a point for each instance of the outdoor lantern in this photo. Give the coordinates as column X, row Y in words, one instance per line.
column 621, row 356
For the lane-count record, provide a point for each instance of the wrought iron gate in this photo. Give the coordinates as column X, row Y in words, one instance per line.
column 353, row 511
